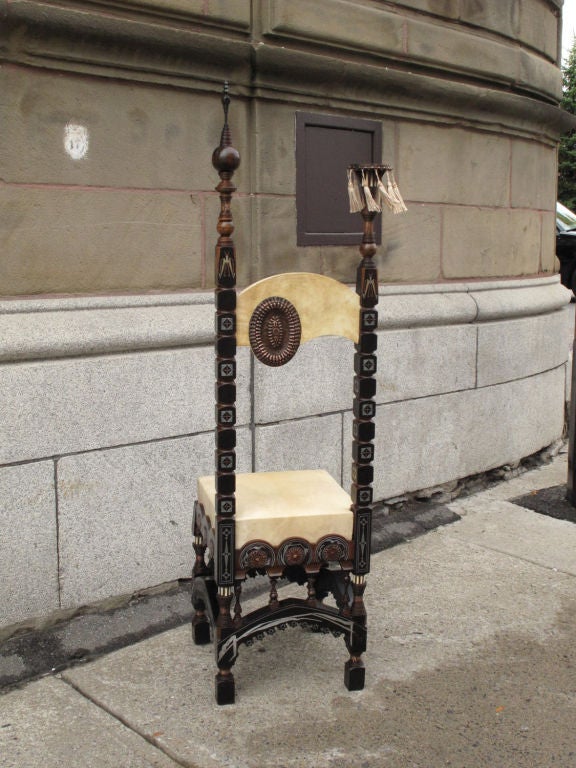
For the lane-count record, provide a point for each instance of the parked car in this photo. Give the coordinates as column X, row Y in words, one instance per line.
column 566, row 245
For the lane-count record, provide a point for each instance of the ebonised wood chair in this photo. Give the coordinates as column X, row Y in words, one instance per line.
column 296, row 524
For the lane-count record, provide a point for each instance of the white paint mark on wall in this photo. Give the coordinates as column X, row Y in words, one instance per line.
column 76, row 140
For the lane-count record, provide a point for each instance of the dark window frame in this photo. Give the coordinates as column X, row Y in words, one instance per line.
column 305, row 233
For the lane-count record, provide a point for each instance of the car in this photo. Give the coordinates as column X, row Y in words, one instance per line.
column 566, row 245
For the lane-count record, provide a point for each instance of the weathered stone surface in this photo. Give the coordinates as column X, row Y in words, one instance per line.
column 411, row 306
column 275, row 247
column 446, row 8
column 89, row 240
column 314, row 443
column 74, row 327
column 50, row 724
column 452, row 165
column 28, row 552
column 521, row 348
column 317, row 380
column 506, row 299
column 221, row 11
column 548, row 246
column 138, row 137
column 363, row 27
column 125, row 515
column 538, row 27
column 540, row 76
column 410, row 251
column 64, row 406
column 534, row 177
column 420, row 362
column 446, row 47
column 429, row 441
column 490, row 242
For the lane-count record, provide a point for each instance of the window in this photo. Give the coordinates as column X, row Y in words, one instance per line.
column 325, row 146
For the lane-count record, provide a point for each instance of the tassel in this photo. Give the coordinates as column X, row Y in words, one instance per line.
column 394, row 192
column 383, row 197
column 371, row 204
column 354, row 194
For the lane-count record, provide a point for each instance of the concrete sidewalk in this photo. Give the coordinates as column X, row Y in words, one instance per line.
column 471, row 663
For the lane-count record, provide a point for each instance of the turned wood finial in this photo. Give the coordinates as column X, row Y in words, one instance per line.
column 225, row 158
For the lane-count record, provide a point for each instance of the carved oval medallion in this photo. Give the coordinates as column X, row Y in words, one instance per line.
column 275, row 331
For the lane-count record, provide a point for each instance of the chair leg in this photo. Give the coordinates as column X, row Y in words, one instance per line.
column 354, row 674
column 225, row 687
column 200, row 626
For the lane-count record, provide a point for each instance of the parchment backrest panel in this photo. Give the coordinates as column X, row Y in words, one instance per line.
column 325, row 306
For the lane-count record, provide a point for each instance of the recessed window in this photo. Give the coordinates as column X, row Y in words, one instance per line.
column 325, row 146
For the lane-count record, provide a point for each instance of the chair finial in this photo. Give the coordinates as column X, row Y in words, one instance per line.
column 225, row 158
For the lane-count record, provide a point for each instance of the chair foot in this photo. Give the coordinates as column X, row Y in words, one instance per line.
column 354, row 674
column 200, row 630
column 225, row 688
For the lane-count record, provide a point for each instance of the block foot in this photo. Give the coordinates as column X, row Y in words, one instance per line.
column 225, row 688
column 201, row 631
column 354, row 674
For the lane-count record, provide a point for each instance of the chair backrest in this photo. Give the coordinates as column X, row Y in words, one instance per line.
column 274, row 316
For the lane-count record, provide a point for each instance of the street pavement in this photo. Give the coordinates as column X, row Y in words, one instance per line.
column 471, row 663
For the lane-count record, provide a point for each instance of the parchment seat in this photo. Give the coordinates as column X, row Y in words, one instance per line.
column 275, row 507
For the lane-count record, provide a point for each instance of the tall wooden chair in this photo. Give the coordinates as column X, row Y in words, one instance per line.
column 299, row 525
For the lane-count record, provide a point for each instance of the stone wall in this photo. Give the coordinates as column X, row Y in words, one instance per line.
column 110, row 113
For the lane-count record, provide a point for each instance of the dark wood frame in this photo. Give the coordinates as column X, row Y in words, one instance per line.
column 217, row 584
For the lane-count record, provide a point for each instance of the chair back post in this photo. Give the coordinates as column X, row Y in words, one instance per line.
column 364, row 407
column 225, row 160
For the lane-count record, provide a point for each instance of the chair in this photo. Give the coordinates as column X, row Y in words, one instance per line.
column 299, row 525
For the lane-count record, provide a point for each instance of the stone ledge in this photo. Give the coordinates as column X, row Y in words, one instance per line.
column 44, row 328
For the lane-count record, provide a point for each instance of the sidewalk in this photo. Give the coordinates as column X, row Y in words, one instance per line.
column 471, row 663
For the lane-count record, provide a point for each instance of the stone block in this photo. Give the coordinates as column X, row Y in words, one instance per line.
column 335, row 22
column 503, row 18
column 507, row 299
column 275, row 169
column 419, row 362
column 28, row 544
column 411, row 244
column 139, row 137
column 548, row 245
column 448, row 9
column 538, row 27
column 63, row 406
column 275, row 247
column 539, row 76
column 314, row 443
column 89, row 240
column 447, row 47
column 318, row 380
column 534, row 176
column 529, row 21
column 429, row 441
column 236, row 14
column 490, row 242
column 451, row 165
column 521, row 348
column 432, row 304
column 125, row 514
